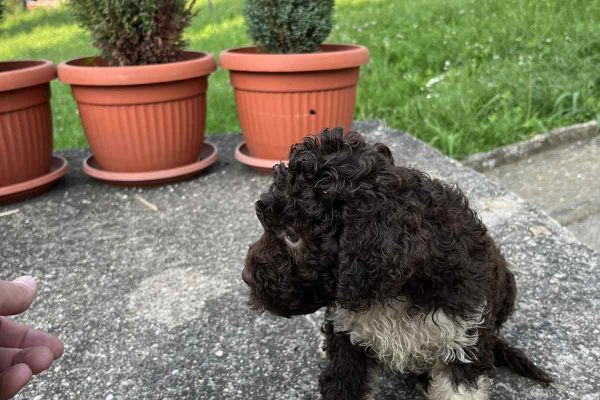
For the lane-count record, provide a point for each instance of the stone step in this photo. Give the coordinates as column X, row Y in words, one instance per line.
column 562, row 181
column 150, row 303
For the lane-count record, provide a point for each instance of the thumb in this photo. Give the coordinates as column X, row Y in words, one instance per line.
column 17, row 296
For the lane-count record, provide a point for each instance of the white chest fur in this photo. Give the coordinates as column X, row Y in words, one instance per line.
column 406, row 342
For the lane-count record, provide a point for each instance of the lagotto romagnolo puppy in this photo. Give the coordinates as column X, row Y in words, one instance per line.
column 411, row 279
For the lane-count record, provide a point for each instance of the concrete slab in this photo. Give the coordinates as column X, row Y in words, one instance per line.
column 537, row 144
column 564, row 182
column 151, row 306
column 587, row 230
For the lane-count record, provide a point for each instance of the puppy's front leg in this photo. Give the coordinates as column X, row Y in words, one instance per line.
column 346, row 377
column 458, row 381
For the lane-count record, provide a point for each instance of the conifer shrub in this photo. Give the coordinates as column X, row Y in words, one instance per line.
column 135, row 32
column 288, row 26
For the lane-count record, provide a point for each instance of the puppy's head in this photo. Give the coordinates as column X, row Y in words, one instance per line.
column 323, row 229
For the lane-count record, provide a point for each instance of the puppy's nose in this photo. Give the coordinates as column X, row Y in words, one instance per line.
column 246, row 276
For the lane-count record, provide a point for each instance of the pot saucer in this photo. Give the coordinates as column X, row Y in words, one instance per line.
column 262, row 165
column 207, row 157
column 24, row 190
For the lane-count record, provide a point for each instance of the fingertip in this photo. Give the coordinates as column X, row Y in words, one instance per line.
column 58, row 349
column 27, row 281
column 37, row 337
column 17, row 295
column 55, row 346
column 22, row 371
column 37, row 358
column 13, row 379
column 42, row 360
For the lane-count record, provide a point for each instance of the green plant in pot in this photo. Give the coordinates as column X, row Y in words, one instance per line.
column 290, row 85
column 142, row 102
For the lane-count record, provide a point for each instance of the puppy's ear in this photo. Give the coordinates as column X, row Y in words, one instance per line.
column 369, row 256
column 355, row 183
column 370, row 264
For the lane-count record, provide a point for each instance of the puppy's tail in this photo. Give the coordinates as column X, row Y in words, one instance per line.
column 515, row 359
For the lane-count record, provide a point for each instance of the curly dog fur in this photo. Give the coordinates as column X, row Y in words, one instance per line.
column 408, row 272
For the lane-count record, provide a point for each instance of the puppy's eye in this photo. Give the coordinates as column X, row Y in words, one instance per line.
column 292, row 239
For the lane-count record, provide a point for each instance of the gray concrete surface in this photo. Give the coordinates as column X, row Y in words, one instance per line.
column 151, row 306
column 537, row 144
column 564, row 181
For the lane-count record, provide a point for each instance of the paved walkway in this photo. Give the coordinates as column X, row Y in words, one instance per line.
column 150, row 303
column 565, row 182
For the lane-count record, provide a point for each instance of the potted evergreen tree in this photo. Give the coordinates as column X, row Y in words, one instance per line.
column 27, row 166
column 142, row 102
column 290, row 84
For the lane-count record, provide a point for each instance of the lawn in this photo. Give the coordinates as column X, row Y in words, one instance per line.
column 462, row 75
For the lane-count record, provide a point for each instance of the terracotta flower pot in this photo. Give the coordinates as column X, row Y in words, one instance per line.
column 141, row 118
column 25, row 120
column 281, row 98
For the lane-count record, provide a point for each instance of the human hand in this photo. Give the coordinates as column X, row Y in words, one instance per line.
column 23, row 351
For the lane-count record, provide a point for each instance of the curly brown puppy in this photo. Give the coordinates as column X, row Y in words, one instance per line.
column 410, row 277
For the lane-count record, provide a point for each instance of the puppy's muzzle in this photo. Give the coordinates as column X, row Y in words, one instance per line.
column 247, row 277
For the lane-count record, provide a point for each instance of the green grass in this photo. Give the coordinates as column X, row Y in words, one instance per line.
column 463, row 75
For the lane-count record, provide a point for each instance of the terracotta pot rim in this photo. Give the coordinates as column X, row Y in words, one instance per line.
column 58, row 168
column 331, row 57
column 208, row 156
column 25, row 73
column 194, row 65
